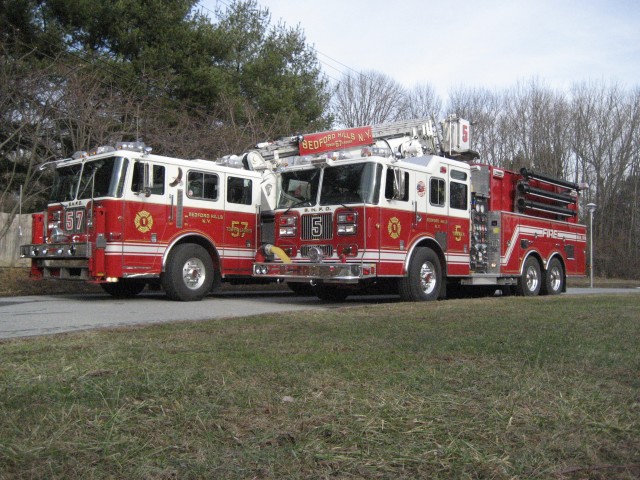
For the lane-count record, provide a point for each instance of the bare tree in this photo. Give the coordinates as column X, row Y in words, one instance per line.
column 369, row 98
column 606, row 125
column 423, row 101
column 483, row 109
column 537, row 120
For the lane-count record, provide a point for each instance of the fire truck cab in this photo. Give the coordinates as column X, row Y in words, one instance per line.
column 124, row 218
column 410, row 210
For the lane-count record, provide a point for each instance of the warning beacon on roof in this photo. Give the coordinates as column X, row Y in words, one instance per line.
column 336, row 140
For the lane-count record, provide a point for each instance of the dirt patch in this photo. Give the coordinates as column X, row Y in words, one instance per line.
column 16, row 282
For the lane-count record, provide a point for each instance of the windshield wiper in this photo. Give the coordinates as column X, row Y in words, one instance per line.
column 297, row 204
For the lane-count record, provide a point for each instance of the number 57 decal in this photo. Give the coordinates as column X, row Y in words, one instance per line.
column 74, row 219
column 239, row 229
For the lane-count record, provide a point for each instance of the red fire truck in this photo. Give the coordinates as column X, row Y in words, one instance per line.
column 124, row 218
column 409, row 207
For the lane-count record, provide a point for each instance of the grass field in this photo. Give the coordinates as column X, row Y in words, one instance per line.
column 498, row 388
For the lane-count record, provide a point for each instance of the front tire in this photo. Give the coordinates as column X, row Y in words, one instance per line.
column 424, row 278
column 554, row 278
column 530, row 282
column 189, row 273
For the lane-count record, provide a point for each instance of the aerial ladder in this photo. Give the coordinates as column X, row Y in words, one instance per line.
column 403, row 139
column 414, row 137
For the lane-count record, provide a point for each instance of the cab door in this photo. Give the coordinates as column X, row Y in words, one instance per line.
column 145, row 219
column 397, row 220
column 458, row 210
column 240, row 226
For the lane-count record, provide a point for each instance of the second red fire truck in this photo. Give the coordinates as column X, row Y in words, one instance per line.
column 412, row 210
column 123, row 218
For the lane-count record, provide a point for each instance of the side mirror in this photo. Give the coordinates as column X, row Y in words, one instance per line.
column 142, row 180
column 147, row 180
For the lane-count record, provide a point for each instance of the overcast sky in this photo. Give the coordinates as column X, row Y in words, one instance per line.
column 470, row 43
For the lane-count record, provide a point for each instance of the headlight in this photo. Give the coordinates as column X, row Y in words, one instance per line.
column 261, row 270
column 287, row 231
column 347, row 223
column 346, row 229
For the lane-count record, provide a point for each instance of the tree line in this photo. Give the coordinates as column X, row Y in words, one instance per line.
column 193, row 83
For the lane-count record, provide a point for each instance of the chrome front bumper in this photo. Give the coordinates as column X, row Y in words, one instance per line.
column 326, row 272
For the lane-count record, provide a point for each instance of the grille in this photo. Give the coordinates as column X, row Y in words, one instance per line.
column 327, row 250
column 317, row 226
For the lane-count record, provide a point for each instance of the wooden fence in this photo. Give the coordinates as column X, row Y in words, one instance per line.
column 19, row 233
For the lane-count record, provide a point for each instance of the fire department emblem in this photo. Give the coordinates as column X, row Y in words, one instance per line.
column 143, row 221
column 457, row 233
column 394, row 227
column 421, row 188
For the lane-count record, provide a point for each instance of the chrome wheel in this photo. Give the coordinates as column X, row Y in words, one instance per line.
column 193, row 273
column 423, row 281
column 554, row 280
column 189, row 273
column 532, row 279
column 428, row 281
column 530, row 282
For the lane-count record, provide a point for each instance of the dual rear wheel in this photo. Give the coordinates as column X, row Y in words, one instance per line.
column 424, row 279
column 535, row 282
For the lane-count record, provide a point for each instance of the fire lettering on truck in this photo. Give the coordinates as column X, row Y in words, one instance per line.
column 327, row 141
column 205, row 217
column 143, row 221
column 239, row 229
column 394, row 227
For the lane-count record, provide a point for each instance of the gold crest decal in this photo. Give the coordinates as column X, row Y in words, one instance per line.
column 394, row 227
column 143, row 221
column 457, row 233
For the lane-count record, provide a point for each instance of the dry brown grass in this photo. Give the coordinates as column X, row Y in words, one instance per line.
column 495, row 388
column 16, row 282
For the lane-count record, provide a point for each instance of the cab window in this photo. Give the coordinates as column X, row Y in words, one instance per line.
column 397, row 185
column 202, row 185
column 157, row 179
column 437, row 192
column 239, row 190
column 458, row 197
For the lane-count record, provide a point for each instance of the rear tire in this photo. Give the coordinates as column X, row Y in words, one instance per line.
column 424, row 278
column 124, row 288
column 554, row 278
column 189, row 273
column 530, row 282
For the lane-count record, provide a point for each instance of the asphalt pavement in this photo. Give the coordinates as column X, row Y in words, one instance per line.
column 46, row 315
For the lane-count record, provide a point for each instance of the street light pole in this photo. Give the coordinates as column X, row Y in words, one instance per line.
column 592, row 208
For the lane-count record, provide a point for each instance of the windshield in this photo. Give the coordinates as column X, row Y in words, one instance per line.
column 299, row 188
column 358, row 183
column 92, row 179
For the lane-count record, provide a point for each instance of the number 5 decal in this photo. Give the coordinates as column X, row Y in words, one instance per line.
column 316, row 226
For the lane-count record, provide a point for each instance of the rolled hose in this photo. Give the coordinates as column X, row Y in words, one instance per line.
column 277, row 251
